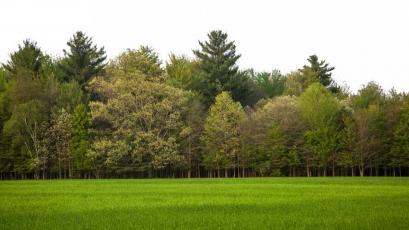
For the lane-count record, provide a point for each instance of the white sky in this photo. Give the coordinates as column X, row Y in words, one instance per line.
column 364, row 40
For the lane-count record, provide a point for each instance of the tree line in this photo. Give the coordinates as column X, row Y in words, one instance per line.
column 84, row 116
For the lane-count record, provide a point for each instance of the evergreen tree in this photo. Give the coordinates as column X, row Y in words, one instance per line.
column 26, row 60
column 322, row 69
column 217, row 61
column 82, row 60
column 272, row 84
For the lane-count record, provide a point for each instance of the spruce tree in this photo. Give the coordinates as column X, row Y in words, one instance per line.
column 83, row 59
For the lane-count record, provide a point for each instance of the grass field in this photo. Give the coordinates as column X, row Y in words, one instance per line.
column 252, row 203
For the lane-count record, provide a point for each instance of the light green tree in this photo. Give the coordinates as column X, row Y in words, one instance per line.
column 137, row 123
column 321, row 112
column 143, row 60
column 221, row 135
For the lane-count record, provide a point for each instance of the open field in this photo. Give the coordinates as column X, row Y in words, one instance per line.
column 251, row 203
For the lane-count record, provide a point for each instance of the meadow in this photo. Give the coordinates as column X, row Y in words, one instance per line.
column 246, row 203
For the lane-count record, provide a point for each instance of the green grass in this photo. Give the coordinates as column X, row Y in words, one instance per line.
column 250, row 203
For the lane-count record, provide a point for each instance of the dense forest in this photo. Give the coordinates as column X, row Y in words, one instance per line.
column 84, row 116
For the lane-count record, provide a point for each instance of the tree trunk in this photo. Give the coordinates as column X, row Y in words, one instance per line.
column 361, row 170
column 225, row 173
column 308, row 170
column 59, row 167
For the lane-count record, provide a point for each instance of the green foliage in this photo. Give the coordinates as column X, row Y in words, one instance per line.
column 81, row 122
column 272, row 84
column 321, row 112
column 321, row 69
column 400, row 148
column 297, row 82
column 370, row 94
column 184, row 73
column 138, row 123
column 27, row 60
column 78, row 117
column 217, row 61
column 221, row 135
column 24, row 132
column 315, row 71
column 58, row 143
column 144, row 60
column 82, row 60
column 70, row 96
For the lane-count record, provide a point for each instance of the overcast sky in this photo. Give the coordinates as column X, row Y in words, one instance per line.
column 364, row 40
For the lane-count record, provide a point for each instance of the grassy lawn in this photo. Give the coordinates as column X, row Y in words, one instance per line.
column 250, row 203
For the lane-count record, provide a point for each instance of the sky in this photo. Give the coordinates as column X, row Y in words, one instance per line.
column 366, row 40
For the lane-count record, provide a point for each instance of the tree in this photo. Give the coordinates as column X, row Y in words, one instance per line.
column 80, row 139
column 217, row 61
column 276, row 149
column 27, row 60
column 221, row 135
column 190, row 135
column 184, row 73
column 321, row 112
column 274, row 129
column 369, row 94
column 368, row 135
column 369, row 116
column 322, row 70
column 136, row 125
column 272, row 84
column 298, row 81
column 83, row 59
column 400, row 149
column 70, row 96
column 24, row 132
column 144, row 60
column 60, row 135
column 4, row 116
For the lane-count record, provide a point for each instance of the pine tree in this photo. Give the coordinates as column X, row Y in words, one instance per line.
column 218, row 64
column 27, row 60
column 322, row 69
column 83, row 60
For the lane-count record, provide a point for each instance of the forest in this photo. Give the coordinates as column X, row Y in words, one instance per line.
column 82, row 115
